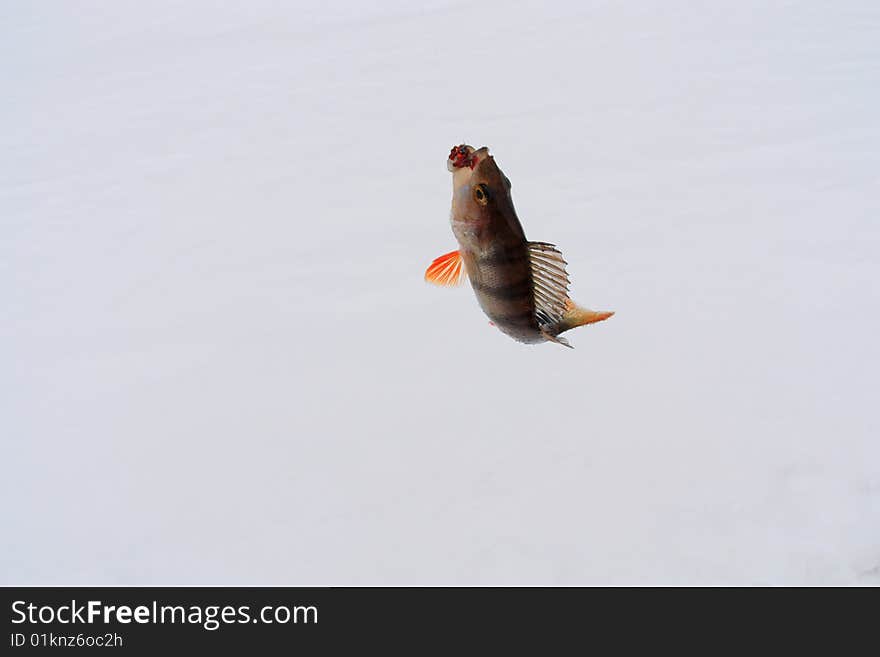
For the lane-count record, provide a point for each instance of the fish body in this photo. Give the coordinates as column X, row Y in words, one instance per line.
column 522, row 286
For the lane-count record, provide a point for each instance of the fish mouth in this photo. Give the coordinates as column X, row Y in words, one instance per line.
column 460, row 157
column 465, row 156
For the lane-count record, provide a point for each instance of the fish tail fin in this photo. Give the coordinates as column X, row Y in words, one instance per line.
column 575, row 316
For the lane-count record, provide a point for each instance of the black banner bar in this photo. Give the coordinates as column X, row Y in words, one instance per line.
column 410, row 620
column 246, row 619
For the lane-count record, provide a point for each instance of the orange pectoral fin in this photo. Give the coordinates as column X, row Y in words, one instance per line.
column 446, row 270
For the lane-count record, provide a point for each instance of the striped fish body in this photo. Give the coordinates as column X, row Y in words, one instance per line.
column 522, row 286
column 498, row 267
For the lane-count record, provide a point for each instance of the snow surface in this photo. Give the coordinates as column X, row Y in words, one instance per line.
column 221, row 364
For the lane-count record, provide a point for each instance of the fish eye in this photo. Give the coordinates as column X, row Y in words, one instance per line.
column 481, row 194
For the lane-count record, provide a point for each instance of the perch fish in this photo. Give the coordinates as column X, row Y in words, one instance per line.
column 522, row 286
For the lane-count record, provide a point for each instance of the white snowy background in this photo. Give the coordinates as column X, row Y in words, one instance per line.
column 220, row 363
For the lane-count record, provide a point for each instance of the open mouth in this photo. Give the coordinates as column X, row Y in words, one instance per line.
column 461, row 156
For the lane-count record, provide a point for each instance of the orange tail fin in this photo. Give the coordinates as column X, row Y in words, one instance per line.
column 576, row 316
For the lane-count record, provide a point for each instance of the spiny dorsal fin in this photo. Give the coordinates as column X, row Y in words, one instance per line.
column 550, row 283
column 446, row 270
